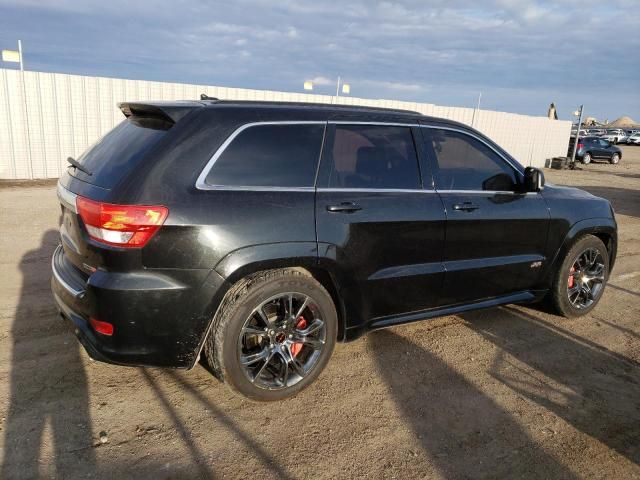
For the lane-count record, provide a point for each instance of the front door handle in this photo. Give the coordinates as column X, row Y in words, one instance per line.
column 466, row 206
column 344, row 207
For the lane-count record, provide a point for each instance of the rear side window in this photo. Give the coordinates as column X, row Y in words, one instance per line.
column 373, row 156
column 465, row 163
column 270, row 156
column 120, row 150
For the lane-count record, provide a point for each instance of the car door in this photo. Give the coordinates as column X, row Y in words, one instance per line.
column 380, row 230
column 604, row 149
column 495, row 233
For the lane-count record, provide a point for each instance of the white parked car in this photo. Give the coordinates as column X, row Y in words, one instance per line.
column 633, row 139
column 615, row 136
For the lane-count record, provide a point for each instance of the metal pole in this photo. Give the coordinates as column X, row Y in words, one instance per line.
column 473, row 118
column 20, row 55
column 338, row 89
column 575, row 142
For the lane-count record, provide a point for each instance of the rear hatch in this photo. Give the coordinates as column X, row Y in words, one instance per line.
column 117, row 153
column 139, row 138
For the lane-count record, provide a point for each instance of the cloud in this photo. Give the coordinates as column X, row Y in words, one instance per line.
column 522, row 54
column 323, row 81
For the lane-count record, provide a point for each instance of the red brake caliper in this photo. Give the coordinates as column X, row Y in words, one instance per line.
column 301, row 324
column 571, row 279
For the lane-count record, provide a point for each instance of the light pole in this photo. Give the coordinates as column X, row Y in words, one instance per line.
column 577, row 113
column 346, row 88
column 473, row 118
column 14, row 56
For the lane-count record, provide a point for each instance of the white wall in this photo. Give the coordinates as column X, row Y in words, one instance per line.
column 64, row 114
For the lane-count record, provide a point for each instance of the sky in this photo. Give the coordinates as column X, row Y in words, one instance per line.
column 521, row 55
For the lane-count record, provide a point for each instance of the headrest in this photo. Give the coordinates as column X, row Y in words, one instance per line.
column 371, row 161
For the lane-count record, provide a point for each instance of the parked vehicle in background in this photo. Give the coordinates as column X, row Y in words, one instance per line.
column 595, row 132
column 633, row 139
column 260, row 234
column 615, row 136
column 629, row 133
column 597, row 148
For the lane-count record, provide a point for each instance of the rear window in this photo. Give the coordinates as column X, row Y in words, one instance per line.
column 284, row 155
column 120, row 150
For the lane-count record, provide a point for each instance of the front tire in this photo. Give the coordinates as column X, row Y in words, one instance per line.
column 615, row 158
column 273, row 335
column 579, row 282
column 586, row 158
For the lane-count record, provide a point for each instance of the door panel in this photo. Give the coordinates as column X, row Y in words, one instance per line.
column 390, row 250
column 494, row 249
column 495, row 236
column 381, row 231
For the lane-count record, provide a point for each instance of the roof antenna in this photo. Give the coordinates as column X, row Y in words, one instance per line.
column 204, row 96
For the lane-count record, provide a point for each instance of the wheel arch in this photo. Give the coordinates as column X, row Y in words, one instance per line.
column 298, row 255
column 603, row 228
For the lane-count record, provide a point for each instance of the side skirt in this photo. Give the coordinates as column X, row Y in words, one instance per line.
column 527, row 296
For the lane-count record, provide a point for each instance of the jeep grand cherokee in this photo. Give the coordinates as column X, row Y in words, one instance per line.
column 259, row 234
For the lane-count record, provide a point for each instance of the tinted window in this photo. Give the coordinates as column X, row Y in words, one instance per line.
column 372, row 156
column 464, row 163
column 120, row 150
column 270, row 156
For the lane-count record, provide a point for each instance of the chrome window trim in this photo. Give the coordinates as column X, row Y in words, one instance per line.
column 517, row 167
column 492, row 192
column 201, row 184
column 67, row 198
column 384, row 124
column 382, row 190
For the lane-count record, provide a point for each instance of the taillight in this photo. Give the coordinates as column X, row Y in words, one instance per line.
column 580, row 146
column 130, row 226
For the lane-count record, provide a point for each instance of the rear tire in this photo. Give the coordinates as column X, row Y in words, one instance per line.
column 615, row 158
column 252, row 346
column 586, row 158
column 579, row 283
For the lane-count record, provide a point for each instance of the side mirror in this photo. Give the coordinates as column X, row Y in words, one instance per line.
column 533, row 179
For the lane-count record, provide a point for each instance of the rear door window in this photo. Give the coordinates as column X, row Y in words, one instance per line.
column 373, row 156
column 120, row 150
column 276, row 155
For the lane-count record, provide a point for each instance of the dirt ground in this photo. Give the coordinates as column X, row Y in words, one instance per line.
column 510, row 392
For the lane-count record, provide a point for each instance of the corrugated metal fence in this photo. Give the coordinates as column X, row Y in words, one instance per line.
column 46, row 117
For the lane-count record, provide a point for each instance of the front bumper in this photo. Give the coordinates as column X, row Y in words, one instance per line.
column 160, row 317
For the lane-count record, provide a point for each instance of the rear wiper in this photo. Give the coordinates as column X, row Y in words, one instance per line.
column 77, row 165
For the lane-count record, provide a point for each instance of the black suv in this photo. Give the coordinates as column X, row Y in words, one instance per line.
column 262, row 233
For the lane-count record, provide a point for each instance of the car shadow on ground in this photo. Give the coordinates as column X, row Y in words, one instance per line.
column 464, row 432
column 45, row 395
column 269, row 463
column 625, row 201
column 468, row 434
column 589, row 386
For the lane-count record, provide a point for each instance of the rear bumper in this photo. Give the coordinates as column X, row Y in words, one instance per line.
column 160, row 317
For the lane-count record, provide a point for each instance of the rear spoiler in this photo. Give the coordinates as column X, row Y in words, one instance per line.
column 169, row 111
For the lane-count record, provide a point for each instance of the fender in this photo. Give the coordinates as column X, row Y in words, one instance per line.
column 244, row 261
column 240, row 263
column 588, row 226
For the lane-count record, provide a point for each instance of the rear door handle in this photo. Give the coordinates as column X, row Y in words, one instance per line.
column 344, row 207
column 466, row 206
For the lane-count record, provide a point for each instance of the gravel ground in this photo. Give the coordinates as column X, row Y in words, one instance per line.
column 512, row 392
